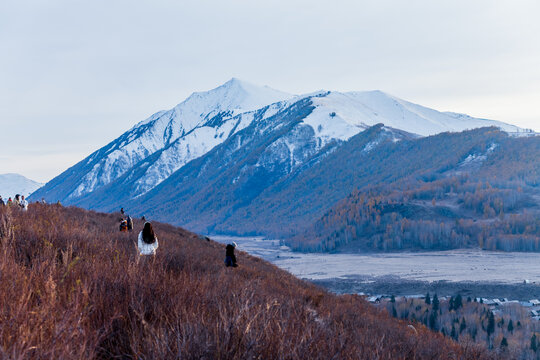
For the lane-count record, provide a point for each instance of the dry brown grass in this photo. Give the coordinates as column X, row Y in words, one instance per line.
column 71, row 287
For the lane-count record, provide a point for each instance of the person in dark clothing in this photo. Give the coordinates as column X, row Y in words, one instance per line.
column 123, row 225
column 122, row 211
column 230, row 258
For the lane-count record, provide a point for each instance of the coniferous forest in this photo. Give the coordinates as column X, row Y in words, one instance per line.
column 488, row 199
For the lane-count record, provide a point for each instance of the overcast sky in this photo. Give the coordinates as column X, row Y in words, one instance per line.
column 74, row 74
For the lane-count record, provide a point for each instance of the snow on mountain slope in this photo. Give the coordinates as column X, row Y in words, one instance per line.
column 12, row 184
column 343, row 115
column 193, row 145
column 187, row 131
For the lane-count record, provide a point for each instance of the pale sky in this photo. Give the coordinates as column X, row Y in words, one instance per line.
column 75, row 74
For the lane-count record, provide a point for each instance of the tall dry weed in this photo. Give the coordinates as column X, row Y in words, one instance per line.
column 73, row 287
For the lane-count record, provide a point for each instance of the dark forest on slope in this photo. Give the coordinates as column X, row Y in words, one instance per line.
column 475, row 189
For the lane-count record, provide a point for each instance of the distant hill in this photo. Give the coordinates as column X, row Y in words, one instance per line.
column 12, row 184
column 479, row 188
column 73, row 287
column 267, row 136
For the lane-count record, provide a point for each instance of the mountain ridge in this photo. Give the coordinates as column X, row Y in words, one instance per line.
column 12, row 184
column 291, row 133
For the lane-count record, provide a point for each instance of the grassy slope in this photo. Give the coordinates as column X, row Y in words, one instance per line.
column 71, row 286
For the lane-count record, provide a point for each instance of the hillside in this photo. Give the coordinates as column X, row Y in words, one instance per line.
column 248, row 191
column 479, row 188
column 239, row 190
column 72, row 287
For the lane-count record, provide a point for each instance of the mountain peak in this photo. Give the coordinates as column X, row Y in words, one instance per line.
column 234, row 81
column 234, row 96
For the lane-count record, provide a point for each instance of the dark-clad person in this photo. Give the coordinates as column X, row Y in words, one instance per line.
column 230, row 258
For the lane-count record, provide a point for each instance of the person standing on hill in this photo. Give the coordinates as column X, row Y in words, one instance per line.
column 1, row 201
column 17, row 201
column 123, row 225
column 148, row 242
column 24, row 203
column 230, row 258
column 129, row 223
column 9, row 202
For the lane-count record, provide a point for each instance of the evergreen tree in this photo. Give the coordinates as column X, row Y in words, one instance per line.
column 463, row 325
column 510, row 327
column 490, row 329
column 433, row 321
column 534, row 343
column 394, row 312
column 393, row 299
column 469, row 299
column 428, row 299
column 504, row 343
column 435, row 302
column 451, row 303
column 453, row 333
column 491, row 324
column 458, row 302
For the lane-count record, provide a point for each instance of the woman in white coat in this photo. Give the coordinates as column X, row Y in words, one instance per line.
column 148, row 242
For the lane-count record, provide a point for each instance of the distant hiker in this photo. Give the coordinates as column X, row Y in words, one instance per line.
column 9, row 202
column 143, row 218
column 43, row 201
column 1, row 201
column 122, row 211
column 17, row 200
column 230, row 258
column 24, row 203
column 148, row 242
column 129, row 223
column 123, row 225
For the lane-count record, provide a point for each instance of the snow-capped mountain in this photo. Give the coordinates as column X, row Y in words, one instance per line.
column 155, row 149
column 12, row 184
column 167, row 140
column 189, row 130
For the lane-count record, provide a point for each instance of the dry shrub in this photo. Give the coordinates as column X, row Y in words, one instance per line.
column 73, row 287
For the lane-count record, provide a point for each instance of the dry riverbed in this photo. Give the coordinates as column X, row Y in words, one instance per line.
column 474, row 273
